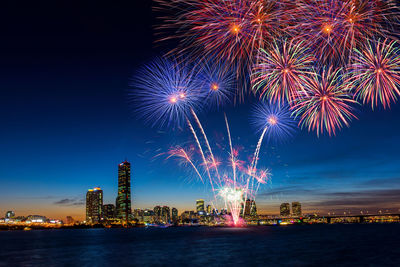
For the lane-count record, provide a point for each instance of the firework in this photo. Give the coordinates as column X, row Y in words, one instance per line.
column 280, row 72
column 333, row 28
column 376, row 73
column 231, row 31
column 326, row 104
column 232, row 181
column 275, row 119
column 165, row 92
column 217, row 83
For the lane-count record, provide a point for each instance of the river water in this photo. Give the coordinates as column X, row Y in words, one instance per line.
column 292, row 245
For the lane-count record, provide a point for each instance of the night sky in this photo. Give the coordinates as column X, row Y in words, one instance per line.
column 66, row 124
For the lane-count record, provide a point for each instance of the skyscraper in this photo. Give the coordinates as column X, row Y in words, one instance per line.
column 174, row 213
column 285, row 209
column 296, row 209
column 157, row 213
column 247, row 207
column 253, row 208
column 148, row 216
column 209, row 209
column 94, row 205
column 200, row 205
column 123, row 203
column 165, row 214
column 109, row 211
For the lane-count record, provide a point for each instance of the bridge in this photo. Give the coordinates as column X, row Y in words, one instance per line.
column 309, row 219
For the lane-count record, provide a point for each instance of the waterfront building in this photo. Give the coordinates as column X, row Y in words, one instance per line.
column 209, row 209
column 174, row 215
column 123, row 203
column 157, row 213
column 200, row 205
column 165, row 214
column 185, row 215
column 138, row 215
column 10, row 214
column 253, row 209
column 69, row 220
column 36, row 219
column 285, row 209
column 109, row 211
column 148, row 216
column 94, row 205
column 296, row 209
column 247, row 207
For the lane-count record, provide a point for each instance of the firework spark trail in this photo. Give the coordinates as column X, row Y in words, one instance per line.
column 201, row 153
column 215, row 165
column 231, row 148
column 254, row 164
column 180, row 152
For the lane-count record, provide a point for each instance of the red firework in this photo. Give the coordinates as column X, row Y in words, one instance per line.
column 333, row 28
column 232, row 31
column 280, row 72
column 326, row 103
column 376, row 73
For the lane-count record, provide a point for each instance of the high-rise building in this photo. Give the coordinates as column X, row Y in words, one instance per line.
column 285, row 209
column 109, row 211
column 94, row 205
column 123, row 203
column 148, row 216
column 157, row 213
column 253, row 208
column 296, row 208
column 174, row 215
column 209, row 209
column 70, row 220
column 247, row 207
column 10, row 214
column 138, row 215
column 200, row 205
column 165, row 214
column 185, row 216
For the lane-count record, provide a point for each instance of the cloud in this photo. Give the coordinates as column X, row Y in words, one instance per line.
column 69, row 202
column 37, row 197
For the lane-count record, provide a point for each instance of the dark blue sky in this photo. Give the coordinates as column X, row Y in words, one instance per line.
column 66, row 124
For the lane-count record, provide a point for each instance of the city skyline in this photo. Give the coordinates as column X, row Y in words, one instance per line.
column 67, row 123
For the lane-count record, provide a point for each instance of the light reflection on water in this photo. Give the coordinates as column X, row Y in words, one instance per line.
column 290, row 246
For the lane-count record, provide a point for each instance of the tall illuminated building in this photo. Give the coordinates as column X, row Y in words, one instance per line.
column 200, row 205
column 174, row 215
column 247, row 207
column 148, row 216
column 157, row 213
column 296, row 209
column 253, row 209
column 123, row 203
column 285, row 209
column 94, row 205
column 165, row 214
column 209, row 209
column 108, row 211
